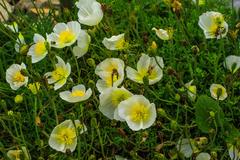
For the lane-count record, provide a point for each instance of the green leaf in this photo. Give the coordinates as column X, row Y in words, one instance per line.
column 206, row 110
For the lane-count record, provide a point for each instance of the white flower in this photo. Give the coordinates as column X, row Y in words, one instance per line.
column 111, row 72
column 138, row 112
column 110, row 99
column 186, row 147
column 191, row 90
column 65, row 34
column 234, row 153
column 13, row 27
column 82, row 44
column 213, row 25
column 78, row 94
column 90, row 12
column 232, row 63
column 39, row 50
column 146, row 67
column 14, row 154
column 15, row 77
column 64, row 137
column 163, row 34
column 60, row 74
column 218, row 92
column 115, row 42
column 203, row 156
column 19, row 42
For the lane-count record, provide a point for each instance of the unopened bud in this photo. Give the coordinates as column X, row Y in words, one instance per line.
column 18, row 99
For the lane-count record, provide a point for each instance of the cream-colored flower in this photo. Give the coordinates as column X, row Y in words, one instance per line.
column 59, row 75
column 39, row 50
column 218, row 92
column 19, row 42
column 234, row 152
column 110, row 99
column 203, row 156
column 15, row 77
column 232, row 63
column 34, row 87
column 14, row 154
column 111, row 72
column 64, row 136
column 82, row 44
column 147, row 67
column 13, row 27
column 77, row 94
column 90, row 12
column 138, row 112
column 163, row 34
column 191, row 90
column 213, row 25
column 64, row 34
column 115, row 42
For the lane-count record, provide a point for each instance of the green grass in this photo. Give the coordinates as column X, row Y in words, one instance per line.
column 106, row 138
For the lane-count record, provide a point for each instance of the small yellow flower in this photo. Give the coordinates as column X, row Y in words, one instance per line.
column 15, row 77
column 147, row 67
column 138, row 112
column 111, row 72
column 115, row 42
column 218, row 92
column 78, row 94
column 64, row 34
column 60, row 74
column 110, row 99
column 14, row 154
column 213, row 25
column 34, row 87
column 64, row 136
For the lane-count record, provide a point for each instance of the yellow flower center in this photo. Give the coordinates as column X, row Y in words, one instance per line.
column 66, row 37
column 120, row 43
column 113, row 77
column 59, row 73
column 67, row 136
column 40, row 48
column 119, row 96
column 77, row 93
column 18, row 77
column 139, row 112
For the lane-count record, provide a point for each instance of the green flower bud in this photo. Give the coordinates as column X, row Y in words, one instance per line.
column 177, row 97
column 212, row 114
column 174, row 124
column 161, row 112
column 91, row 62
column 18, row 99
column 24, row 49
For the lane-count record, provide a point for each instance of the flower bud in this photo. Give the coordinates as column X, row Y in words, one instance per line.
column 18, row 99
column 24, row 49
column 91, row 62
column 161, row 112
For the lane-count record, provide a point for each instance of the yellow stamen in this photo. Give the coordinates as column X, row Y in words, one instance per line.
column 67, row 135
column 139, row 112
column 77, row 93
column 40, row 48
column 66, row 37
column 18, row 77
column 59, row 73
column 120, row 43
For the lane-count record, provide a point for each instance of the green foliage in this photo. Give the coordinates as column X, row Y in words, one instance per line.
column 208, row 113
